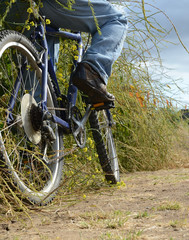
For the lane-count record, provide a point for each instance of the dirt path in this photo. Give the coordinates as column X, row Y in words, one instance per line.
column 152, row 205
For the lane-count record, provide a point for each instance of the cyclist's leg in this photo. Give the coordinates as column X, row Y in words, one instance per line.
column 106, row 46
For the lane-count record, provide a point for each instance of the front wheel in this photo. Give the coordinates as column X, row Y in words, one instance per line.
column 101, row 123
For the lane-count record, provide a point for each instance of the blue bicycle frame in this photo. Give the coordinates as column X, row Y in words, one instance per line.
column 46, row 66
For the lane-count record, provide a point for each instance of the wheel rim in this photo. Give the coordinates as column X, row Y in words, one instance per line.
column 108, row 140
column 34, row 167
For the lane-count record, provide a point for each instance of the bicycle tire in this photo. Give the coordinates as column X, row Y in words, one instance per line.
column 34, row 162
column 105, row 146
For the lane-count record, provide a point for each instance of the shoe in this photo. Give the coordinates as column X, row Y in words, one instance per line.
column 90, row 83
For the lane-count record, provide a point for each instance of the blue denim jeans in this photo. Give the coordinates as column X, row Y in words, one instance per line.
column 105, row 47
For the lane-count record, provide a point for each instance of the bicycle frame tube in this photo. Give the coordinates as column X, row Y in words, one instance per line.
column 47, row 66
column 12, row 99
column 72, row 90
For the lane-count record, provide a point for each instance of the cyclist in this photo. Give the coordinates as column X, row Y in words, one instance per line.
column 92, row 73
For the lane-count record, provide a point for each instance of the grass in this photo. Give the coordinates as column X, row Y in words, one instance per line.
column 113, row 220
column 169, row 206
column 144, row 134
column 132, row 235
column 142, row 215
column 180, row 223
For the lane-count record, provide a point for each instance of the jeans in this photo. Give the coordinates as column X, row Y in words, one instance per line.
column 105, row 47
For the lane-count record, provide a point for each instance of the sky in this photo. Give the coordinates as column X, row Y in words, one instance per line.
column 174, row 56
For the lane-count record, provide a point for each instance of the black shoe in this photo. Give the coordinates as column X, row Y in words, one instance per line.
column 90, row 83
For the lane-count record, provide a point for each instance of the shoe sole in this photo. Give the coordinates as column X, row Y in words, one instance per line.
column 95, row 95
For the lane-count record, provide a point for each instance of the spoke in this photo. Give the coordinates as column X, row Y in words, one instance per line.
column 22, row 157
column 35, row 84
column 11, row 125
column 17, row 145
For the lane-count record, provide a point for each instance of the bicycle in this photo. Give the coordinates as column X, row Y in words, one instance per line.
column 33, row 120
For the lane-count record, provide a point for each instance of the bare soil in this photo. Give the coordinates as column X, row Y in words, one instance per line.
column 152, row 205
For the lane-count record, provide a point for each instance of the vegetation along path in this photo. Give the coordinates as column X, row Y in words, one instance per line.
column 151, row 205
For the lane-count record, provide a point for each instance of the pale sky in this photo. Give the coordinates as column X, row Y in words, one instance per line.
column 174, row 57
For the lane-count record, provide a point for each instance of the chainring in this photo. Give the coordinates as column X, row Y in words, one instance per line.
column 77, row 128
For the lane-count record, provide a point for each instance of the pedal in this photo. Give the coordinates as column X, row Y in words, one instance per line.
column 103, row 105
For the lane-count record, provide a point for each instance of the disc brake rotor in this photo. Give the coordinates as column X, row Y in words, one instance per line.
column 28, row 103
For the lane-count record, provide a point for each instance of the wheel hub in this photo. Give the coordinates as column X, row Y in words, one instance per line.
column 31, row 118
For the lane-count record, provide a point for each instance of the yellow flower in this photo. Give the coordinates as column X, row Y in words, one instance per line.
column 59, row 75
column 59, row 99
column 29, row 10
column 103, row 179
column 74, row 47
column 62, row 80
column 84, row 104
column 89, row 158
column 48, row 21
column 76, row 58
column 32, row 23
column 123, row 184
column 85, row 149
column 90, row 141
column 28, row 27
column 84, row 196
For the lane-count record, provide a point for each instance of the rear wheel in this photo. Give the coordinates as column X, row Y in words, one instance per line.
column 30, row 147
column 102, row 133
